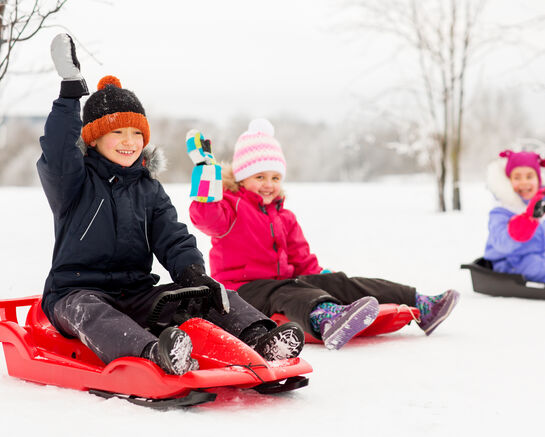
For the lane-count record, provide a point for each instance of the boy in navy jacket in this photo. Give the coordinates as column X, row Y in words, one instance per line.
column 111, row 216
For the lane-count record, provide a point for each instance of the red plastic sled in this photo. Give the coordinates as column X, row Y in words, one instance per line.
column 391, row 317
column 37, row 352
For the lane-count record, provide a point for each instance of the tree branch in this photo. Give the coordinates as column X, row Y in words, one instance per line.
column 21, row 27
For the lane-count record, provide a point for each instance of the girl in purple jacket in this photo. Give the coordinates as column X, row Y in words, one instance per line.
column 516, row 240
column 258, row 247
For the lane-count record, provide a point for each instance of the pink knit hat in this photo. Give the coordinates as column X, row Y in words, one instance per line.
column 257, row 150
column 522, row 159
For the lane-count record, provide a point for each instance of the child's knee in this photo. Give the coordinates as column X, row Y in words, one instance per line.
column 83, row 300
column 533, row 267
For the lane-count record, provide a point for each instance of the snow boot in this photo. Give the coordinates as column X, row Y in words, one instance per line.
column 347, row 321
column 172, row 352
column 435, row 309
column 283, row 342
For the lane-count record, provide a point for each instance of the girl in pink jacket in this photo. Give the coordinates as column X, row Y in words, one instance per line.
column 258, row 247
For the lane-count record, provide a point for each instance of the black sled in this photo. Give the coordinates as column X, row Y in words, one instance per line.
column 487, row 281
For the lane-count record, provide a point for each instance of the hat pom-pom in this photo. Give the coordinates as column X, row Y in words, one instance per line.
column 108, row 80
column 261, row 125
column 506, row 154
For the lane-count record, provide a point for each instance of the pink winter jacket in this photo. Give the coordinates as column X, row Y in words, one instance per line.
column 252, row 241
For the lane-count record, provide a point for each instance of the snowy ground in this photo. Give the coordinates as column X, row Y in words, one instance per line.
column 481, row 372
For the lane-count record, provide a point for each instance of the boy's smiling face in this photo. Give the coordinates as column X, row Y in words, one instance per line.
column 524, row 181
column 122, row 146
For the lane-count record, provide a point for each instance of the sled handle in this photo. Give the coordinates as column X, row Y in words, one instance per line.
column 181, row 295
column 8, row 307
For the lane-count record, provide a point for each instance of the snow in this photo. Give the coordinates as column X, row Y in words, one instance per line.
column 480, row 372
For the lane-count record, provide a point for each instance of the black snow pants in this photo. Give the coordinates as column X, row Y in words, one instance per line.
column 114, row 328
column 296, row 298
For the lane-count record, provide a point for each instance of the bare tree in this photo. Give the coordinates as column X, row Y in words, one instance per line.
column 446, row 43
column 441, row 35
column 446, row 39
column 21, row 20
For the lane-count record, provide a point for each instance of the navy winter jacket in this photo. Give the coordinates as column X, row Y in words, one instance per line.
column 109, row 220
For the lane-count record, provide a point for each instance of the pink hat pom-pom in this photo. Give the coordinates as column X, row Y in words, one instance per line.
column 261, row 125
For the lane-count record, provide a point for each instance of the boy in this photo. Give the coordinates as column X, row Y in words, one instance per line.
column 110, row 218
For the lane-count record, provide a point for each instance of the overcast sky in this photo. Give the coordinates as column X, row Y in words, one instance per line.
column 217, row 58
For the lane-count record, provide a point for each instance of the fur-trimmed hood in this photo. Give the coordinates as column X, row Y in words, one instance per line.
column 500, row 186
column 154, row 158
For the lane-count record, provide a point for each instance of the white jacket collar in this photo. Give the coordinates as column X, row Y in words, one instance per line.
column 500, row 186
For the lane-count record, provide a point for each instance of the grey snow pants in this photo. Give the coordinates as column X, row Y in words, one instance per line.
column 114, row 328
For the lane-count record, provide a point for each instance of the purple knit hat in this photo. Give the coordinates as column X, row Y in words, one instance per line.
column 523, row 159
column 256, row 150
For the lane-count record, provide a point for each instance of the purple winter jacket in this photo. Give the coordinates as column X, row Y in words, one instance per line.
column 506, row 254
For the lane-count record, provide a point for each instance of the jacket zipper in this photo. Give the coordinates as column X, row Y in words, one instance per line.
column 92, row 220
column 275, row 247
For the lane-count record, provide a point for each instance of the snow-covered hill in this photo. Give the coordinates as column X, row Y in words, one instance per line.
column 481, row 372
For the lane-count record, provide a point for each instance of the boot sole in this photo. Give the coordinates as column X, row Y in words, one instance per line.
column 335, row 338
column 288, row 331
column 165, row 347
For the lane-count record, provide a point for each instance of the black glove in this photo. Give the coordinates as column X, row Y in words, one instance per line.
column 195, row 276
column 63, row 53
column 539, row 209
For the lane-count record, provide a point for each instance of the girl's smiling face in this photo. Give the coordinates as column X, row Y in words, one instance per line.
column 122, row 146
column 524, row 181
column 267, row 184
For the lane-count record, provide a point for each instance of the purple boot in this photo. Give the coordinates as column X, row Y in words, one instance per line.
column 349, row 320
column 435, row 309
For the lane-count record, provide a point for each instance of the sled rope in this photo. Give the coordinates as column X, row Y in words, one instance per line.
column 251, row 367
column 405, row 306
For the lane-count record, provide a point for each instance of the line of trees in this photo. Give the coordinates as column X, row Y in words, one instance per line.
column 357, row 149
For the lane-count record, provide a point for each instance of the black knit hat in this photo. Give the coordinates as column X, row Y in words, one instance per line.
column 112, row 107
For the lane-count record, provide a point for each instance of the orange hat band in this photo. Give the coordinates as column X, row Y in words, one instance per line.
column 109, row 122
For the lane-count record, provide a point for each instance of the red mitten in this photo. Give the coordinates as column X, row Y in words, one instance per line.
column 523, row 226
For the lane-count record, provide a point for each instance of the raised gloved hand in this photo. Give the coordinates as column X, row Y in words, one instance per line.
column 195, row 276
column 206, row 185
column 198, row 148
column 63, row 53
column 523, row 226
